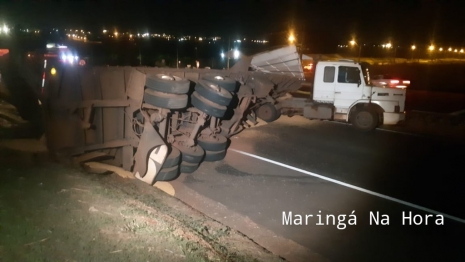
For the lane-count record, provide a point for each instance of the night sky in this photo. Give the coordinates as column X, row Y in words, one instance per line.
column 326, row 22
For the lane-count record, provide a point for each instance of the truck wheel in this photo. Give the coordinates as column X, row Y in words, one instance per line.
column 212, row 156
column 173, row 158
column 188, row 168
column 167, row 84
column 168, row 173
column 190, row 154
column 213, row 92
column 268, row 112
column 225, row 82
column 213, row 143
column 207, row 106
column 365, row 120
column 165, row 100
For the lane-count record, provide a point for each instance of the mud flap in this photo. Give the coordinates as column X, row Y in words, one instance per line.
column 150, row 156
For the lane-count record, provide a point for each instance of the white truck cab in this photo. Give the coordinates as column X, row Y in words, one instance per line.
column 342, row 92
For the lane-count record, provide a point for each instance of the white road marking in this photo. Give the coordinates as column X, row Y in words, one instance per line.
column 350, row 186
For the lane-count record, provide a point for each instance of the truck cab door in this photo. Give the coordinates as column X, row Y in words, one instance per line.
column 349, row 87
column 323, row 86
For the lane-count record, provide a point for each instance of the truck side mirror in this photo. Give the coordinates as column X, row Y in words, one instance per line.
column 359, row 82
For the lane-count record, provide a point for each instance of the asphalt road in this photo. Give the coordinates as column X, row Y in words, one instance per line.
column 423, row 172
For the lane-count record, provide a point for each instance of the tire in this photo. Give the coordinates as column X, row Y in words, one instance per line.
column 365, row 120
column 213, row 92
column 268, row 112
column 168, row 174
column 167, row 84
column 188, row 168
column 225, row 82
column 193, row 154
column 210, row 143
column 207, row 106
column 212, row 156
column 165, row 100
column 173, row 159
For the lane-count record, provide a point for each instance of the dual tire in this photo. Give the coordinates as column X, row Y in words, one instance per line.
column 166, row 91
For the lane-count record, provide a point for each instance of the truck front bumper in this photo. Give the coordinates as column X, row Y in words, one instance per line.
column 393, row 118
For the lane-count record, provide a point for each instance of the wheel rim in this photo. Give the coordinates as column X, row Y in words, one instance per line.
column 265, row 112
column 364, row 119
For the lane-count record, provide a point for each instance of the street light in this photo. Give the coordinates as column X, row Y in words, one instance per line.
column 353, row 43
column 431, row 48
column 236, row 54
column 291, row 38
column 413, row 47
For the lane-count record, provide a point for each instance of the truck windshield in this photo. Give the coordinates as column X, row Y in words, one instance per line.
column 366, row 73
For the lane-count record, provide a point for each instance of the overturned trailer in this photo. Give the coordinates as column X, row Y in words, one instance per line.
column 160, row 122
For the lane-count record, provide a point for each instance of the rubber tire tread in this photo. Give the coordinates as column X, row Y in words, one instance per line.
column 228, row 83
column 178, row 86
column 212, row 145
column 207, row 106
column 212, row 156
column 173, row 159
column 165, row 100
column 223, row 97
column 188, row 168
column 188, row 155
column 168, row 174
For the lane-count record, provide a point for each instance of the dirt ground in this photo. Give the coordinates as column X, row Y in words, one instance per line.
column 54, row 212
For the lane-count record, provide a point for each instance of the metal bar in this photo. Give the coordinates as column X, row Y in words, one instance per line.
column 213, row 123
column 91, row 103
column 162, row 127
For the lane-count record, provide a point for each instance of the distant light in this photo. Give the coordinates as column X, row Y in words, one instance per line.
column 450, row 49
column 431, row 48
column 222, row 55
column 291, row 38
column 236, row 54
column 352, row 42
column 461, row 50
column 440, row 49
column 455, row 50
column 413, row 47
column 388, row 45
column 200, row 39
column 53, row 71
